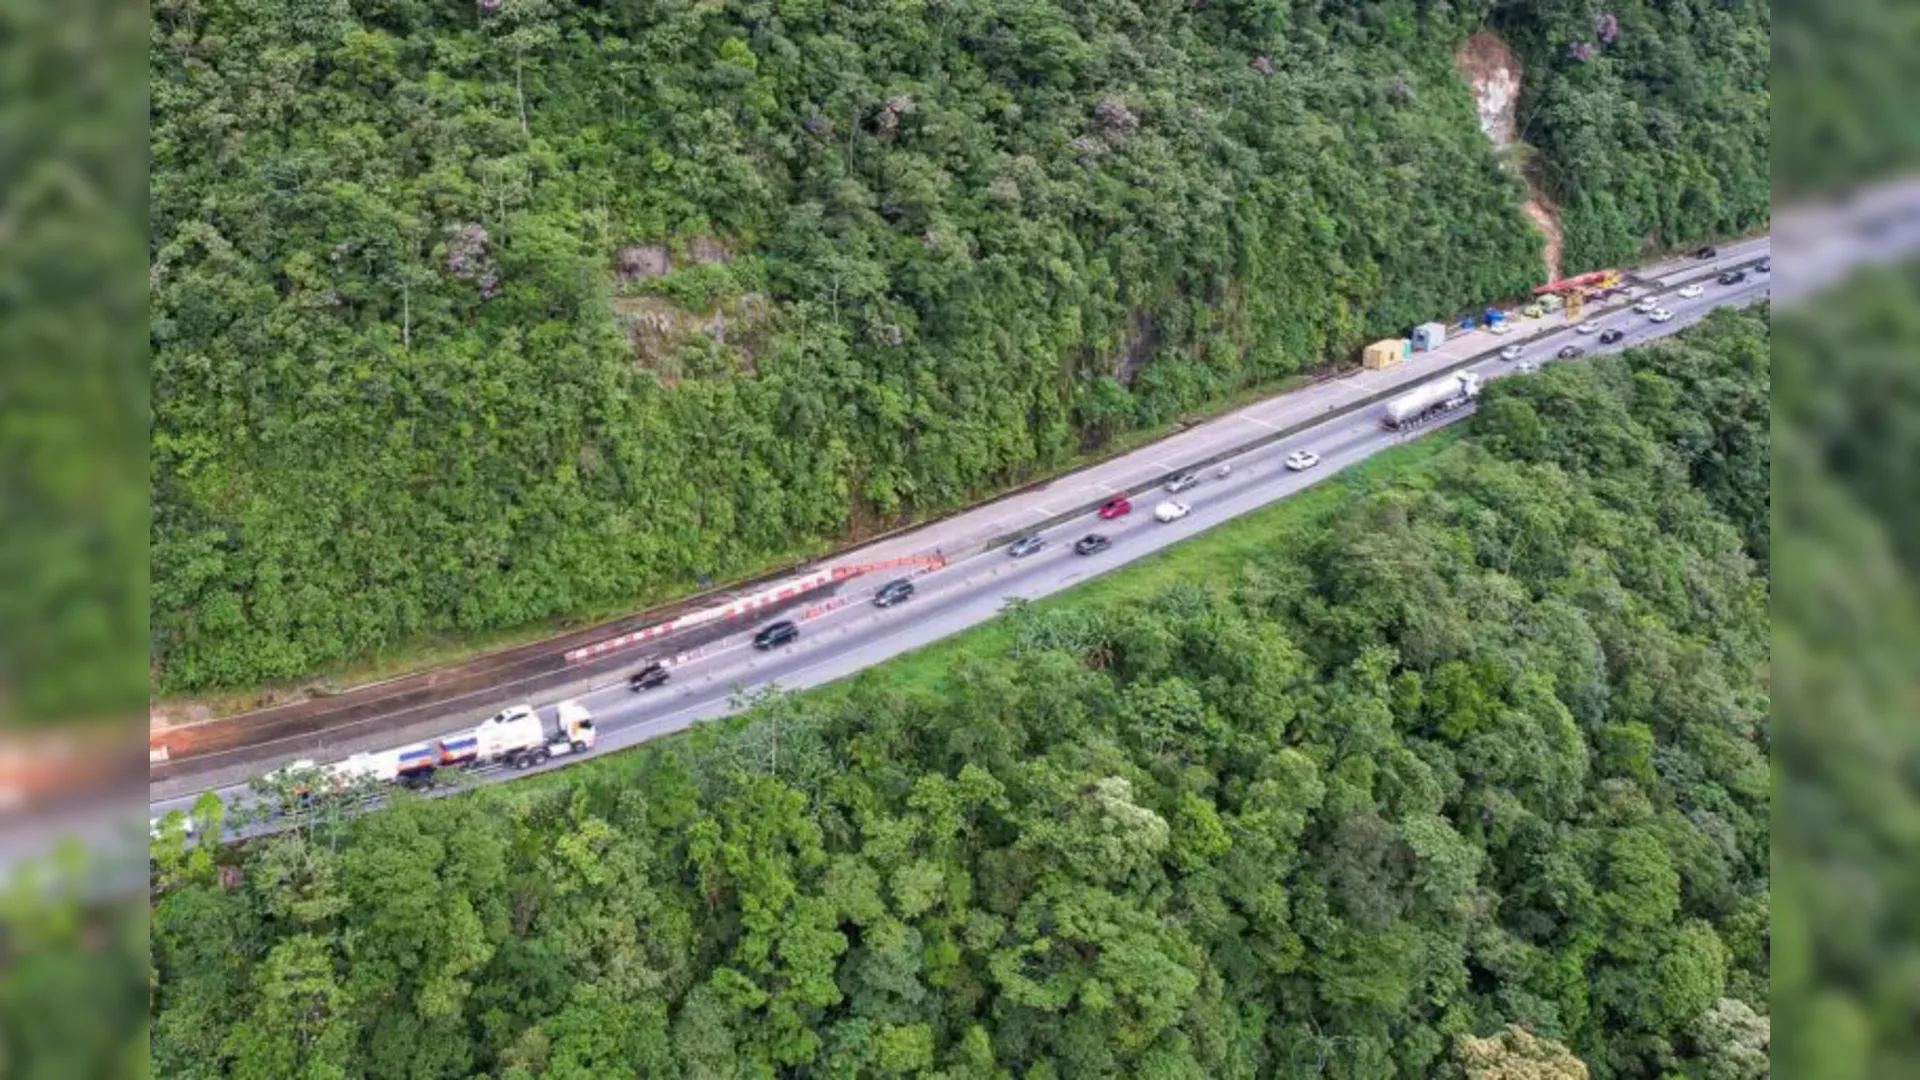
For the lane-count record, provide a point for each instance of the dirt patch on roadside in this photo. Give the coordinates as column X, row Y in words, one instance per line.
column 185, row 713
column 1546, row 218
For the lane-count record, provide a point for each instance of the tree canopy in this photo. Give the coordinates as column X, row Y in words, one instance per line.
column 1651, row 120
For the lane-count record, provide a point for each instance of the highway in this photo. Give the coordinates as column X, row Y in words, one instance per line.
column 428, row 703
column 848, row 634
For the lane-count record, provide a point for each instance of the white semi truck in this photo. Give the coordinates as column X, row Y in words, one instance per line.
column 514, row 736
column 1434, row 399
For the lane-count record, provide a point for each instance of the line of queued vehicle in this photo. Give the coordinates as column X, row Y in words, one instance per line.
column 1649, row 306
column 657, row 673
column 899, row 590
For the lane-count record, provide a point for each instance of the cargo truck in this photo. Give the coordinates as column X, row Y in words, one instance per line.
column 1432, row 400
column 513, row 736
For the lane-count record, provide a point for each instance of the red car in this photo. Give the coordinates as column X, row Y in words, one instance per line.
column 1116, row 507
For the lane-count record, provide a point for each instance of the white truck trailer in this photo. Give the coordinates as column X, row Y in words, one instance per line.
column 382, row 767
column 1434, row 399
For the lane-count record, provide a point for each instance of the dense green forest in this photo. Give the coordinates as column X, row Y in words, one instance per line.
column 468, row 315
column 1651, row 121
column 1472, row 767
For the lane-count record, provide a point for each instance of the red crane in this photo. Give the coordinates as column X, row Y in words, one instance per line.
column 1599, row 278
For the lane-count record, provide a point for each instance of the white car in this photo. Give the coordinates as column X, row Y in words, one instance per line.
column 1171, row 510
column 1659, row 314
column 1588, row 327
column 1647, row 306
column 1301, row 460
column 1528, row 367
column 1692, row 291
column 1501, row 327
column 1512, row 352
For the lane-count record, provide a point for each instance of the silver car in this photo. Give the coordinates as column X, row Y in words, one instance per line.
column 1026, row 545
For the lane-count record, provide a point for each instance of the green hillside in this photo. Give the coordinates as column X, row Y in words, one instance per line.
column 1652, row 121
column 1477, row 742
column 465, row 316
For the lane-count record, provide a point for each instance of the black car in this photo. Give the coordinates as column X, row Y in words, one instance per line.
column 1026, row 545
column 1608, row 337
column 1733, row 277
column 648, row 677
column 893, row 592
column 1091, row 544
column 1568, row 352
column 774, row 635
column 1764, row 266
column 1179, row 482
column 1707, row 252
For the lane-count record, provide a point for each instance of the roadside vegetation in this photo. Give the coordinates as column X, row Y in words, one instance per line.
column 465, row 317
column 1465, row 770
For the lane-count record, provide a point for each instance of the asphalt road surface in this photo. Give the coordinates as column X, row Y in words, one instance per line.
column 839, row 642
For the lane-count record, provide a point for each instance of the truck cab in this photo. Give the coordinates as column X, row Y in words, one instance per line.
column 574, row 725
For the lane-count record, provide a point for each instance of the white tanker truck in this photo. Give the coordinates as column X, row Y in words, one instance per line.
column 1434, row 399
column 514, row 736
